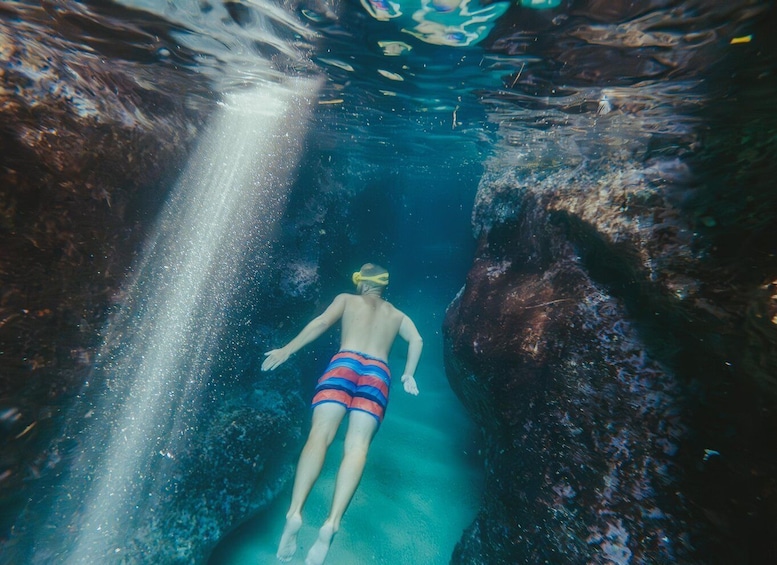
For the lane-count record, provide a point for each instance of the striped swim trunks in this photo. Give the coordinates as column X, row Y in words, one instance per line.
column 357, row 381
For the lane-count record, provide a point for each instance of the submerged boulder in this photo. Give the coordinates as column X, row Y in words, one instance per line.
column 603, row 347
column 88, row 144
column 616, row 338
column 582, row 426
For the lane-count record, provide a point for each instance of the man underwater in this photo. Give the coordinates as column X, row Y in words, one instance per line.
column 356, row 381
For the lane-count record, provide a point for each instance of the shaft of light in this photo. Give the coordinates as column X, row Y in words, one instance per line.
column 160, row 344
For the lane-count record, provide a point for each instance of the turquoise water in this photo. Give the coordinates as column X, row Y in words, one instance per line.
column 411, row 100
column 421, row 486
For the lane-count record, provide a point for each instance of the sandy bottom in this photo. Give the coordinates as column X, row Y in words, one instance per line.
column 420, row 489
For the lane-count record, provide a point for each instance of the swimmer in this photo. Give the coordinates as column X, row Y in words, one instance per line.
column 356, row 382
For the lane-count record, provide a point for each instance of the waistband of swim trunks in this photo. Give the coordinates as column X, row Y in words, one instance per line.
column 363, row 356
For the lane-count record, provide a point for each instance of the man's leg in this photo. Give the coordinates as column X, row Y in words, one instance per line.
column 326, row 420
column 361, row 429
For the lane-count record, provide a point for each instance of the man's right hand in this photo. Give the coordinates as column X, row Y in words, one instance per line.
column 274, row 359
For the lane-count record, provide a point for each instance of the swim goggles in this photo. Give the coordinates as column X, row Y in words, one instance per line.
column 381, row 279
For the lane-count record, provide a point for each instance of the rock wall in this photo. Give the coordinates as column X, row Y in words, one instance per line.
column 601, row 342
column 90, row 146
column 93, row 133
column 87, row 145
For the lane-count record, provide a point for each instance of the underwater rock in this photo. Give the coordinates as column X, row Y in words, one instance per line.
column 88, row 143
column 68, row 253
column 582, row 427
column 199, row 501
column 604, row 347
column 299, row 279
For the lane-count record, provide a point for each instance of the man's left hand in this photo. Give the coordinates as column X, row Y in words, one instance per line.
column 411, row 387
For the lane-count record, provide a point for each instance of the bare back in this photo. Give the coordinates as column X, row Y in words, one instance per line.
column 369, row 325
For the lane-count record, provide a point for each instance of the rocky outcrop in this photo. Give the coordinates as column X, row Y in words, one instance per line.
column 616, row 336
column 582, row 425
column 94, row 132
column 602, row 344
column 88, row 145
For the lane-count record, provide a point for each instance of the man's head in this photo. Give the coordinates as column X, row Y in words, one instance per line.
column 371, row 278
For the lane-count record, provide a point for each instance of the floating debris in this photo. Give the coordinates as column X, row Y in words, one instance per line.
column 25, row 431
column 605, row 106
column 741, row 39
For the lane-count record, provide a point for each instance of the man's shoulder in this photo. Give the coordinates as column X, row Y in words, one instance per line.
column 396, row 311
column 340, row 301
column 344, row 299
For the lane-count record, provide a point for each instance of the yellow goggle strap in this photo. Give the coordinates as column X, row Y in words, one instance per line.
column 381, row 279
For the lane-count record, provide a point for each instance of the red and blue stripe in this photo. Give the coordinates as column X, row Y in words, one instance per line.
column 357, row 381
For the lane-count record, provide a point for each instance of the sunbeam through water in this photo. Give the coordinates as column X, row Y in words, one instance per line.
column 575, row 200
column 159, row 346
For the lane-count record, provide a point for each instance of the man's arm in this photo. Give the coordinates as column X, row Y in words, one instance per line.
column 310, row 332
column 415, row 344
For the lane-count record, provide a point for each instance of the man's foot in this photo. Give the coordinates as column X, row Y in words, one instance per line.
column 288, row 544
column 318, row 552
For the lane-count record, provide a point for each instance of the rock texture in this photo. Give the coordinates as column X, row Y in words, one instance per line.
column 97, row 121
column 90, row 145
column 86, row 142
column 615, row 339
column 582, row 425
column 616, row 336
column 603, row 344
